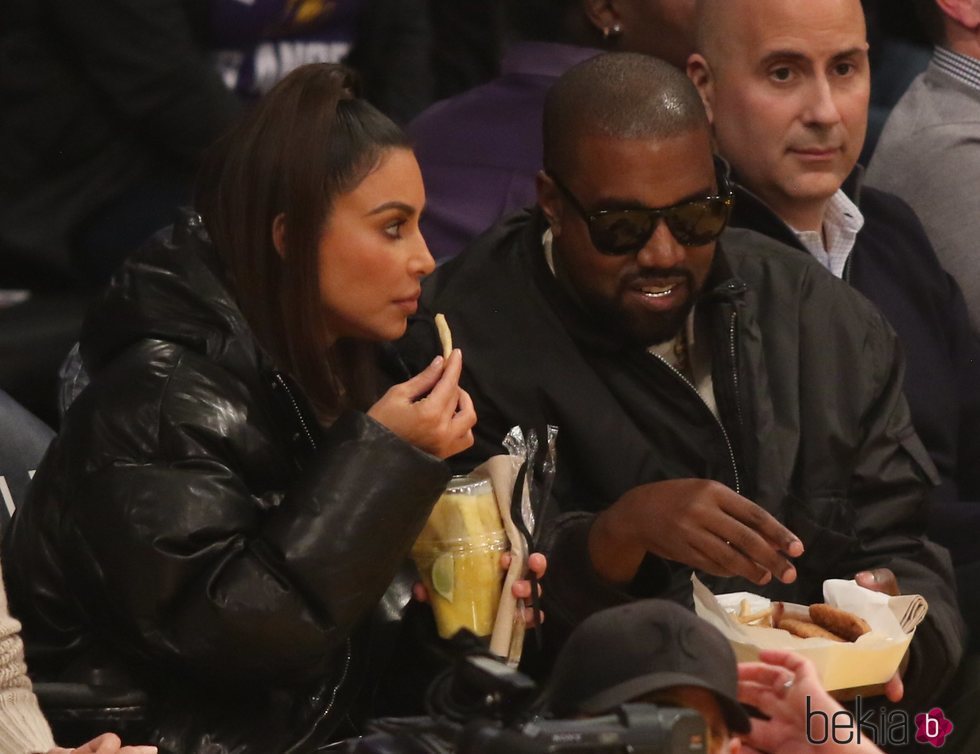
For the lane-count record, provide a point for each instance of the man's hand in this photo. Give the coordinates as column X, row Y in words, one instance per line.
column 883, row 580
column 700, row 523
column 107, row 743
column 879, row 580
column 430, row 411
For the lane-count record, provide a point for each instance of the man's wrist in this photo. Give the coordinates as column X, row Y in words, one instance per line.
column 615, row 555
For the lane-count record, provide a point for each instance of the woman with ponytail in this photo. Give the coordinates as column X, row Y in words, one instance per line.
column 232, row 495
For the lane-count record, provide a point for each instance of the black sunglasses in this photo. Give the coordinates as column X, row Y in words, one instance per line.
column 625, row 231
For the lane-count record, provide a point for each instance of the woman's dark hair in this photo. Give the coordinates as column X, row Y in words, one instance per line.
column 307, row 141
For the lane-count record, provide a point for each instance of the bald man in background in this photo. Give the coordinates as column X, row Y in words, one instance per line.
column 787, row 85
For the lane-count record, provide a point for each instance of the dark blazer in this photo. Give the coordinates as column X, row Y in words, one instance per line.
column 894, row 265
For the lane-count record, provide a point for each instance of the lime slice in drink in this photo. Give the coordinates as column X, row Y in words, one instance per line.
column 443, row 576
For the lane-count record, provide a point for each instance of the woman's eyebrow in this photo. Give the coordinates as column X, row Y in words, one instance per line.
column 408, row 209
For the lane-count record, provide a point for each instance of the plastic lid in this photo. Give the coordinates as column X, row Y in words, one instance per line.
column 469, row 484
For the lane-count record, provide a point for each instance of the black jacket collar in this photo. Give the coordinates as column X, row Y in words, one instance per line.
column 752, row 212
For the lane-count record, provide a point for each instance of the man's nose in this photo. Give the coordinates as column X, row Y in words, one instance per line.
column 821, row 106
column 662, row 250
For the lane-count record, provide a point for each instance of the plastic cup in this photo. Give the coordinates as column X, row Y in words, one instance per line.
column 458, row 557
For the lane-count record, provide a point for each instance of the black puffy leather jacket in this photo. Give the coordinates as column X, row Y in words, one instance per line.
column 194, row 527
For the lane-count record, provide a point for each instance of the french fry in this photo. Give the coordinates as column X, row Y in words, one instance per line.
column 762, row 617
column 445, row 335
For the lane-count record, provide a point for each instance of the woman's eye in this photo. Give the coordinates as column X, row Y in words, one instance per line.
column 394, row 229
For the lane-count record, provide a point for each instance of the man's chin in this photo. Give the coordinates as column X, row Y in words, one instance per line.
column 817, row 184
column 653, row 330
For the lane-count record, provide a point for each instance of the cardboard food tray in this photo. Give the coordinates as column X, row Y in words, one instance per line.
column 872, row 659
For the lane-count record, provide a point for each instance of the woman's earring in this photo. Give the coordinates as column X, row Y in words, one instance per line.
column 611, row 31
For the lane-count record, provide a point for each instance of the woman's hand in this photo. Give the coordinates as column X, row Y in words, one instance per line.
column 107, row 743
column 430, row 411
column 521, row 589
column 538, row 564
column 785, row 686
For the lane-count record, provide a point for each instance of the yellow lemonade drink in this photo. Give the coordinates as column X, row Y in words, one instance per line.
column 458, row 557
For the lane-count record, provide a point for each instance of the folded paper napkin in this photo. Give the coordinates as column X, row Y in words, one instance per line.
column 909, row 609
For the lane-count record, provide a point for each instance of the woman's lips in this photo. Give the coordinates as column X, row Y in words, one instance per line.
column 408, row 305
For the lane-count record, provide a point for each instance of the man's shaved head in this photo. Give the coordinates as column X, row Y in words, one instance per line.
column 622, row 95
column 624, row 134
column 715, row 21
column 787, row 84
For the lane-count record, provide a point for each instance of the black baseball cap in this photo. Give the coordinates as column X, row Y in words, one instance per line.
column 618, row 655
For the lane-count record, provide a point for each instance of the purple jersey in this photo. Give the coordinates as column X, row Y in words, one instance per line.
column 257, row 42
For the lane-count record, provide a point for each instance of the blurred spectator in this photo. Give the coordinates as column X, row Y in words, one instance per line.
column 930, row 150
column 898, row 54
column 480, row 151
column 108, row 104
column 466, row 44
column 255, row 44
column 23, row 441
column 23, row 729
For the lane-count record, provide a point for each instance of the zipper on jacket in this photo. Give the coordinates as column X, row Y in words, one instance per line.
column 347, row 659
column 340, row 682
column 327, row 710
column 299, row 414
column 724, row 432
column 731, row 352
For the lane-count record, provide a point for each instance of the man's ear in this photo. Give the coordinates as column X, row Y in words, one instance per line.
column 734, row 745
column 604, row 15
column 279, row 234
column 964, row 12
column 549, row 201
column 700, row 73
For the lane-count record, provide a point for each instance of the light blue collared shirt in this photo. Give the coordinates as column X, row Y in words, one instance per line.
column 833, row 243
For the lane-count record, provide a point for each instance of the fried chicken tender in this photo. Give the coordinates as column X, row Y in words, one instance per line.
column 840, row 622
column 807, row 630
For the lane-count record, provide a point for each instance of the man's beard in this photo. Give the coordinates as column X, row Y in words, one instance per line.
column 639, row 327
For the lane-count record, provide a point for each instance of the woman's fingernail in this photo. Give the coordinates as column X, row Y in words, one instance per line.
column 436, row 360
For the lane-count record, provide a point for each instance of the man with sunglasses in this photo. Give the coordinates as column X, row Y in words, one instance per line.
column 714, row 411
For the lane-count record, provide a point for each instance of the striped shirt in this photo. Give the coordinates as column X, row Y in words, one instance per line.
column 961, row 67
